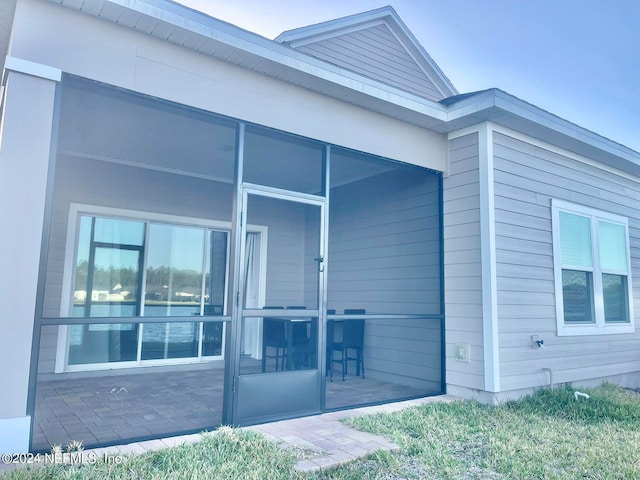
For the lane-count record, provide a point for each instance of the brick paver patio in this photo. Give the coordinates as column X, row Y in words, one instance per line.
column 330, row 442
column 114, row 409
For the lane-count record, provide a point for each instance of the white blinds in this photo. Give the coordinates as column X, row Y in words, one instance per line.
column 613, row 246
column 575, row 240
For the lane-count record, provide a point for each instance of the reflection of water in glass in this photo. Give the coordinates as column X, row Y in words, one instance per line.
column 179, row 332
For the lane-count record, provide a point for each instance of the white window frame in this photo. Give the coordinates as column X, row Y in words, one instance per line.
column 599, row 327
column 77, row 210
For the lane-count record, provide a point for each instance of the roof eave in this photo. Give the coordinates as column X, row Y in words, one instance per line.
column 265, row 56
column 503, row 109
column 217, row 39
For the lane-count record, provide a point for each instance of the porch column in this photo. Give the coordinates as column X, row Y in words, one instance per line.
column 25, row 142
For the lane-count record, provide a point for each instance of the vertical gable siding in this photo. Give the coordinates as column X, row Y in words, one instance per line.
column 527, row 177
column 376, row 53
column 462, row 263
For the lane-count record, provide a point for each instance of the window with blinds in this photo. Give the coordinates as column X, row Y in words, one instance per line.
column 592, row 270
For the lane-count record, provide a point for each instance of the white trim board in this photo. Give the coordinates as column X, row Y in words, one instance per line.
column 27, row 67
column 560, row 151
column 488, row 260
column 541, row 144
column 15, row 434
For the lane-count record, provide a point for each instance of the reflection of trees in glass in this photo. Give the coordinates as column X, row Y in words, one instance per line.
column 615, row 298
column 576, row 292
column 182, row 285
column 109, row 284
column 82, row 272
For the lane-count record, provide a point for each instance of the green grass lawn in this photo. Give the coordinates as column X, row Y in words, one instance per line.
column 549, row 435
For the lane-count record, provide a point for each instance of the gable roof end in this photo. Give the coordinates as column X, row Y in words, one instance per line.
column 378, row 44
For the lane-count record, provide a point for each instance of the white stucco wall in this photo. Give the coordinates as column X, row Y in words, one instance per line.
column 24, row 158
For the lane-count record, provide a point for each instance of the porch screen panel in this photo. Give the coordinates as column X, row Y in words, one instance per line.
column 283, row 161
column 126, row 157
column 289, row 272
column 121, row 150
column 384, row 236
column 384, row 270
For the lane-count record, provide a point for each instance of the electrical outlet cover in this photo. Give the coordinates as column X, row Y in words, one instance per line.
column 462, row 352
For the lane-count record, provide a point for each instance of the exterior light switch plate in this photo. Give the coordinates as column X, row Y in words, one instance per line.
column 462, row 352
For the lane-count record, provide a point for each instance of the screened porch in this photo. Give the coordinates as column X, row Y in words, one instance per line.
column 202, row 271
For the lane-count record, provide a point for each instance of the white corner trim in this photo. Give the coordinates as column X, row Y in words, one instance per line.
column 464, row 131
column 15, row 434
column 31, row 68
column 447, row 161
column 488, row 260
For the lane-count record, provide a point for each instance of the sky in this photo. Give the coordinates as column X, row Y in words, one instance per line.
column 578, row 59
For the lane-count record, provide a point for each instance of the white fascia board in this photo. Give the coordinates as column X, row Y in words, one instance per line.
column 31, row 68
column 323, row 28
column 423, row 54
column 473, row 104
column 496, row 105
column 537, row 115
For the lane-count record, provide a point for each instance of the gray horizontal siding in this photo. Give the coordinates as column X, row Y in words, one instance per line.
column 526, row 178
column 285, row 248
column 384, row 257
column 406, row 352
column 383, row 245
column 376, row 53
column 462, row 263
column 48, row 349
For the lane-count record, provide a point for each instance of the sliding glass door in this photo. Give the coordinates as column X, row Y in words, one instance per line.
column 131, row 268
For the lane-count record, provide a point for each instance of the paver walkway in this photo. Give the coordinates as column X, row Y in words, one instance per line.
column 335, row 442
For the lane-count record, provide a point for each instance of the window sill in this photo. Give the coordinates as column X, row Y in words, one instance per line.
column 609, row 329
